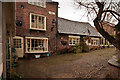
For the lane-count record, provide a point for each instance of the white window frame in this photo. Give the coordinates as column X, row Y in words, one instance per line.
column 37, row 3
column 101, row 41
column 30, row 44
column 36, row 24
column 17, row 37
column 94, row 41
column 74, row 37
column 17, row 44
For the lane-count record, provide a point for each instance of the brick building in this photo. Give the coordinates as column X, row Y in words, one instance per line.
column 70, row 33
column 108, row 27
column 35, row 32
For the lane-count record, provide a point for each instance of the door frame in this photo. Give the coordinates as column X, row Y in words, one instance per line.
column 22, row 42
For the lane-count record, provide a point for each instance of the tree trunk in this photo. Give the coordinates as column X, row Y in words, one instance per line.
column 117, row 38
column 97, row 22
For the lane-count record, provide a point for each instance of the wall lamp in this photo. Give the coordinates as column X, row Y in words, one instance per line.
column 53, row 24
column 19, row 23
column 22, row 6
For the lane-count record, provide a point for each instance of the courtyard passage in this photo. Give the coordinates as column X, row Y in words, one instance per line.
column 81, row 65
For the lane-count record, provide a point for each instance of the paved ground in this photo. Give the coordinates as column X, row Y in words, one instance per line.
column 81, row 65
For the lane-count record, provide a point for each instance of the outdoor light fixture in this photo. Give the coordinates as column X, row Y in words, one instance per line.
column 53, row 23
column 18, row 23
column 22, row 6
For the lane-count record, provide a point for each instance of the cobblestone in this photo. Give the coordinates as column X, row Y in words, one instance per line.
column 87, row 65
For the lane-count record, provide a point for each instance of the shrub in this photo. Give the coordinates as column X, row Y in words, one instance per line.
column 104, row 45
column 74, row 49
column 77, row 48
column 108, row 46
column 118, row 60
column 92, row 49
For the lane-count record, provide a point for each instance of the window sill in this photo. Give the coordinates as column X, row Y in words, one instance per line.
column 38, row 29
column 71, row 44
column 94, row 45
column 37, row 52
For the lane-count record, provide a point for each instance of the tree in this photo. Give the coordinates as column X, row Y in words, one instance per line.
column 104, row 10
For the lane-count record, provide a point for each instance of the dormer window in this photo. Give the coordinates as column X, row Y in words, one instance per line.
column 41, row 3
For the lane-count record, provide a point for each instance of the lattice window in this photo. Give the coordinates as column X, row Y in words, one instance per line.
column 74, row 40
column 41, row 3
column 94, row 42
column 36, row 45
column 37, row 21
column 17, row 43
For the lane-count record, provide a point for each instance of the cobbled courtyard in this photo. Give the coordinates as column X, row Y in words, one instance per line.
column 81, row 65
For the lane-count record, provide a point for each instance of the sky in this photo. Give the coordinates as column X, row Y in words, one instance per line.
column 70, row 11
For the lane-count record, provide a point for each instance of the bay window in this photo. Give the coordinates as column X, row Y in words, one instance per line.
column 36, row 45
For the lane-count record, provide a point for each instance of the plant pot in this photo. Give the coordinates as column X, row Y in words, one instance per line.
column 16, row 60
column 64, row 42
column 78, row 50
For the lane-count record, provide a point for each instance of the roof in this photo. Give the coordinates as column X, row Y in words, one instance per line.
column 77, row 28
column 51, row 1
column 97, row 31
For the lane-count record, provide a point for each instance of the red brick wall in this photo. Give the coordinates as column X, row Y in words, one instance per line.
column 61, row 37
column 23, row 14
column 108, row 28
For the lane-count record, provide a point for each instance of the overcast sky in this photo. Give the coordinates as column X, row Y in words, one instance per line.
column 70, row 11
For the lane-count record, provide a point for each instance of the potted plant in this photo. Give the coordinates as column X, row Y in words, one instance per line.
column 108, row 46
column 15, row 58
column 64, row 42
column 104, row 45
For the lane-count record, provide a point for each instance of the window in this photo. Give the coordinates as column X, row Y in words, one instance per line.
column 36, row 45
column 37, row 22
column 101, row 41
column 41, row 3
column 74, row 40
column 106, row 42
column 17, row 43
column 88, row 40
column 94, row 41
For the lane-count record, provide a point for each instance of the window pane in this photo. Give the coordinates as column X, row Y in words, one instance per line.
column 37, row 45
column 17, row 43
column 38, row 21
column 32, row 20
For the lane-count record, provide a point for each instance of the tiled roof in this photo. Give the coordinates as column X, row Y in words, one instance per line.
column 74, row 27
column 51, row 1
